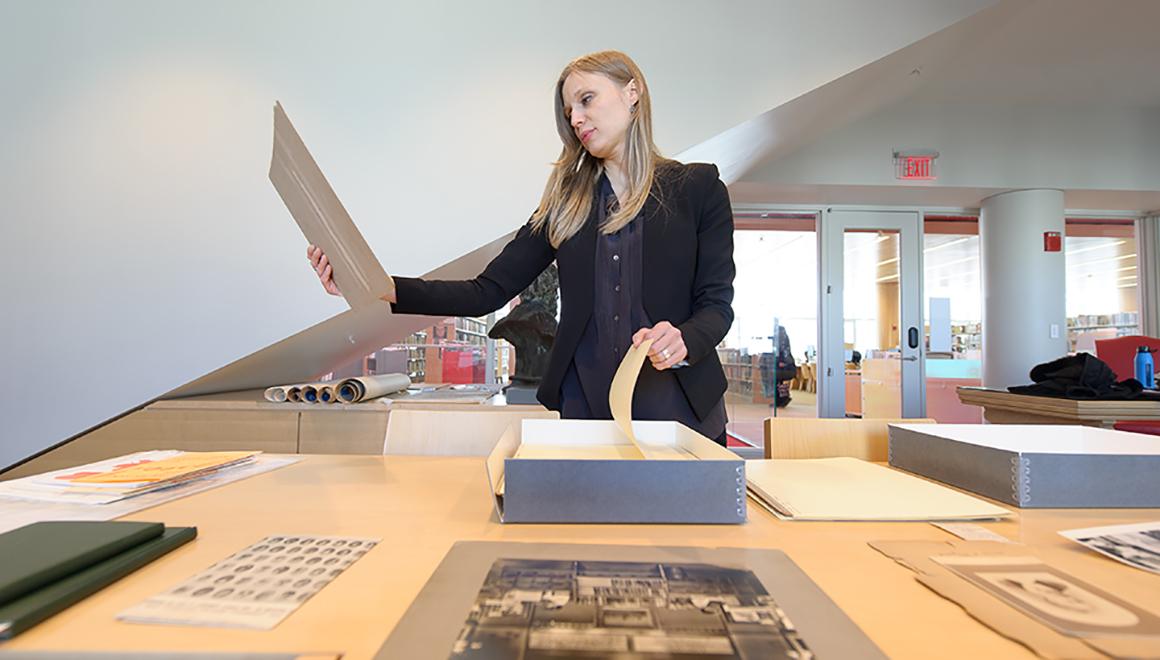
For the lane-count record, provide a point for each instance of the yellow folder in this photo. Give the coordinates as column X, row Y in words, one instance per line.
column 167, row 468
column 853, row 489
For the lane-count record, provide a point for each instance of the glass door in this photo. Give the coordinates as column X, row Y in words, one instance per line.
column 766, row 352
column 870, row 362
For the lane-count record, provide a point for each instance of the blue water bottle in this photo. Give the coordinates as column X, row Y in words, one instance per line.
column 1144, row 367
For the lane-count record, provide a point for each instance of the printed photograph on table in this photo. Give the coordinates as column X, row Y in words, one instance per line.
column 257, row 587
column 1057, row 599
column 532, row 609
column 1136, row 545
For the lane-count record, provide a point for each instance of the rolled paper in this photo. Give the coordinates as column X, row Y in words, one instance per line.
column 312, row 392
column 362, row 388
column 350, row 391
column 275, row 394
column 326, row 394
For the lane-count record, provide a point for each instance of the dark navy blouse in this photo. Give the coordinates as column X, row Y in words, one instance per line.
column 618, row 313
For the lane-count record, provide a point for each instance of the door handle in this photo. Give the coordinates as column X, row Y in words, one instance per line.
column 912, row 337
column 912, row 358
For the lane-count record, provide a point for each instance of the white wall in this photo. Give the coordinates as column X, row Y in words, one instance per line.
column 144, row 243
column 986, row 146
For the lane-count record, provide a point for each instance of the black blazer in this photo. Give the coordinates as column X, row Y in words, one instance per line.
column 688, row 279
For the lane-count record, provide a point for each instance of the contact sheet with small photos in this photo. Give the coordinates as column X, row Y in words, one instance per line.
column 257, row 587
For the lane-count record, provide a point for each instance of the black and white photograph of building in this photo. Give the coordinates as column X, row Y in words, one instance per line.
column 535, row 609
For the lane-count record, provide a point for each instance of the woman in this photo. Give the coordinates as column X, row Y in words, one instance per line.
column 644, row 248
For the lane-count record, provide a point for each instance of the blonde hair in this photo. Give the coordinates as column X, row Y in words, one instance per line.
column 571, row 186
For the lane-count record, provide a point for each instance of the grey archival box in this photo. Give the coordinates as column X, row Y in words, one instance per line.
column 1034, row 465
column 583, row 472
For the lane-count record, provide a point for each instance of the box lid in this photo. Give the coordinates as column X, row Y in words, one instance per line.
column 1043, row 438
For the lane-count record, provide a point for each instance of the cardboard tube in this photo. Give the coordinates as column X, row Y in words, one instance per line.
column 310, row 393
column 275, row 394
column 350, row 391
column 326, row 394
column 353, row 390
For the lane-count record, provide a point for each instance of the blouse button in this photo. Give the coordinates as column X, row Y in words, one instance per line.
column 616, row 257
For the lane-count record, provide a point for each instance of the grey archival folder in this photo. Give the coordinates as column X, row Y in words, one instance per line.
column 431, row 625
column 322, row 218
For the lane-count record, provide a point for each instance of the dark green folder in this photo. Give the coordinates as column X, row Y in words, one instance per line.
column 41, row 553
column 30, row 609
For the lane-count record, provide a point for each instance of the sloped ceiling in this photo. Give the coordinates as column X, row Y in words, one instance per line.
column 782, row 129
column 1081, row 69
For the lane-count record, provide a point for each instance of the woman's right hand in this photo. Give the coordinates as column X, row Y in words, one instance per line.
column 322, row 268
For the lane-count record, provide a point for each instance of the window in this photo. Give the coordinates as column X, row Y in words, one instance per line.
column 953, row 311
column 1102, row 298
column 452, row 351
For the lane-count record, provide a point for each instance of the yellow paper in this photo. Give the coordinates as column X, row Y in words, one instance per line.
column 851, row 489
column 167, row 468
column 574, row 452
column 623, row 383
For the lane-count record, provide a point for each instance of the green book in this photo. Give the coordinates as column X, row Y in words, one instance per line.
column 41, row 553
column 32, row 608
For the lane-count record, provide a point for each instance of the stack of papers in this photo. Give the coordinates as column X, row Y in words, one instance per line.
column 123, row 477
column 853, row 489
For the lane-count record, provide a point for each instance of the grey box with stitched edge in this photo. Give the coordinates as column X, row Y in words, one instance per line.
column 1034, row 465
column 707, row 485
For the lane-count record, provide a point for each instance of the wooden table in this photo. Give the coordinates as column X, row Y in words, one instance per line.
column 419, row 506
column 1002, row 407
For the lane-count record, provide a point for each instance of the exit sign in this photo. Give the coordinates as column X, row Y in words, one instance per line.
column 915, row 165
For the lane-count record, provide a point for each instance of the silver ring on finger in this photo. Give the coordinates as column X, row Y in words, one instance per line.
column 665, row 353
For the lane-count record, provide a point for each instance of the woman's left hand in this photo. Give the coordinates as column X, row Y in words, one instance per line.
column 668, row 347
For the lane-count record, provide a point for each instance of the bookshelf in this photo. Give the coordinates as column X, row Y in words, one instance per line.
column 742, row 373
column 966, row 336
column 424, row 352
column 416, row 356
column 1085, row 328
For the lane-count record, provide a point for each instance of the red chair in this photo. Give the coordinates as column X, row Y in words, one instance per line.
column 1120, row 355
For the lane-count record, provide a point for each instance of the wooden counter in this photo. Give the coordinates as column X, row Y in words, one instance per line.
column 244, row 420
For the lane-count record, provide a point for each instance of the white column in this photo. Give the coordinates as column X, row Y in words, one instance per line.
column 1024, row 318
column 1148, row 273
